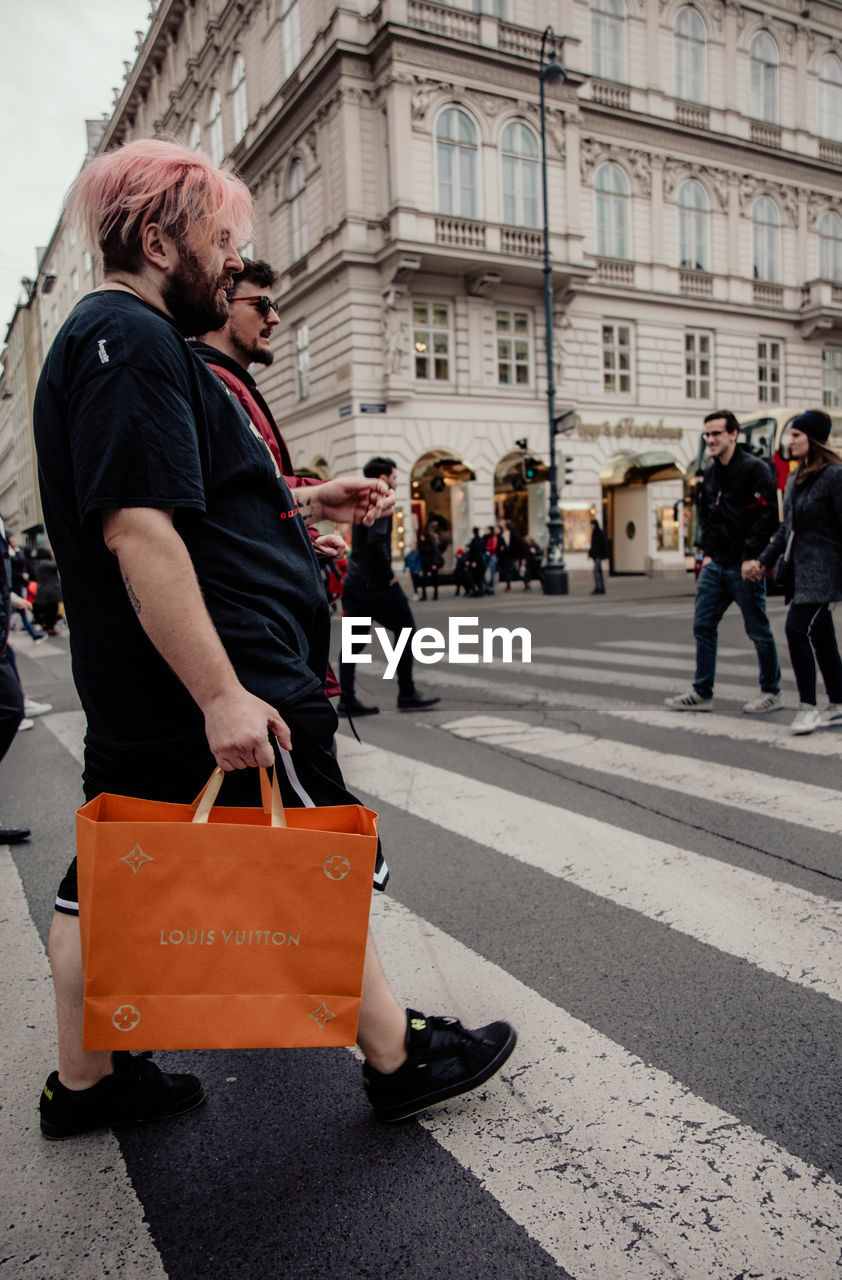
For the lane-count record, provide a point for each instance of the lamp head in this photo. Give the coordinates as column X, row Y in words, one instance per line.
column 553, row 72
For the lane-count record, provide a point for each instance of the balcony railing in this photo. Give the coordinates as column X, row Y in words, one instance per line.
column 524, row 244
column 456, row 231
column 697, row 283
column 614, row 271
column 441, row 20
column 690, row 113
column 767, row 135
column 520, row 40
column 611, row 95
column 831, row 151
column 768, row 295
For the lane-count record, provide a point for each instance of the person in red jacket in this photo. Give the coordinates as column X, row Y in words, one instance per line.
column 245, row 339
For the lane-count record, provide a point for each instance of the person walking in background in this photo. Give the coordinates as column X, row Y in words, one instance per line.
column 476, row 563
column 598, row 553
column 11, row 692
column 510, row 552
column 492, row 541
column 533, row 563
column 811, row 539
column 738, row 509
column 431, row 561
column 371, row 590
column 48, row 597
column 20, row 573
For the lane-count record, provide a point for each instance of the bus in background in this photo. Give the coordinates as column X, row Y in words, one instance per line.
column 763, row 433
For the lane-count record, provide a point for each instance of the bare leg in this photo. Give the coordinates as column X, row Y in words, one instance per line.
column 381, row 1034
column 78, row 1068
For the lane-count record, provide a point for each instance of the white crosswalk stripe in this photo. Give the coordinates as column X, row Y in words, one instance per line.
column 784, row 930
column 616, row 1169
column 660, row 659
column 818, row 808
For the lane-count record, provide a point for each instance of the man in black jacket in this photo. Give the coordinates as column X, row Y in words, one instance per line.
column 738, row 511
column 371, row 590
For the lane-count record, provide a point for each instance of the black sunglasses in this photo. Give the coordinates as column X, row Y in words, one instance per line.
column 262, row 303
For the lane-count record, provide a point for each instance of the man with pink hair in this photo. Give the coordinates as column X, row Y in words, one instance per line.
column 199, row 627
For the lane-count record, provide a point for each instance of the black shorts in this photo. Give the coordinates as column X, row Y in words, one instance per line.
column 309, row 776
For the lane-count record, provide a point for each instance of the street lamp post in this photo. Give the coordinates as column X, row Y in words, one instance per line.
column 555, row 574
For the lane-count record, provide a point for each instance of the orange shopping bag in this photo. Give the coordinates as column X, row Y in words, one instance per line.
column 222, row 928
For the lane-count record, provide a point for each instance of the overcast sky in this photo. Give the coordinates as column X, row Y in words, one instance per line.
column 60, row 61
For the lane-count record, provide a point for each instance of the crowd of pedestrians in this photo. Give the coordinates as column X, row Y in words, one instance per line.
column 498, row 554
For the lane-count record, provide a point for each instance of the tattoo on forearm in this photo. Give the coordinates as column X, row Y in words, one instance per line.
column 133, row 600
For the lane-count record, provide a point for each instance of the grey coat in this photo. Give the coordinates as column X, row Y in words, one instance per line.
column 815, row 509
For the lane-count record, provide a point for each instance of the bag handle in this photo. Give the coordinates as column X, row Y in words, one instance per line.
column 272, row 802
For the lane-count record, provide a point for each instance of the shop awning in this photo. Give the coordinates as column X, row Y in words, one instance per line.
column 624, row 468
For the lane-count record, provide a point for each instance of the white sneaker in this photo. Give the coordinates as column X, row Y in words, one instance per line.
column 32, row 708
column 807, row 718
column 832, row 714
column 766, row 702
column 26, row 724
column 689, row 701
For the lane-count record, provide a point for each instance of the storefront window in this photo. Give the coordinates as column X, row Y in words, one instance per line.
column 577, row 529
column 668, row 530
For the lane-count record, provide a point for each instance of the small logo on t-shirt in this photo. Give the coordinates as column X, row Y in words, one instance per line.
column 102, row 353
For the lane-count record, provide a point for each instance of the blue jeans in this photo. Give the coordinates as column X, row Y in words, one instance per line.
column 718, row 587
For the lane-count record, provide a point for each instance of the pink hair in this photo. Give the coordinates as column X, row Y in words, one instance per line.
column 120, row 192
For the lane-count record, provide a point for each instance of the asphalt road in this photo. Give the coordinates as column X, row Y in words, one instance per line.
column 653, row 899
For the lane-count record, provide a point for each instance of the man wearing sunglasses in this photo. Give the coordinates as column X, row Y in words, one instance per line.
column 244, row 339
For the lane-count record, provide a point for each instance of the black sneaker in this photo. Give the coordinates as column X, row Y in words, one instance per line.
column 137, row 1091
column 445, row 1060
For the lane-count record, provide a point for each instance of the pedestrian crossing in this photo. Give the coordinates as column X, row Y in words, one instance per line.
column 608, row 1158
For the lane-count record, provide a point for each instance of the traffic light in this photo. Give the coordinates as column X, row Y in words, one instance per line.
column 568, row 471
column 530, row 468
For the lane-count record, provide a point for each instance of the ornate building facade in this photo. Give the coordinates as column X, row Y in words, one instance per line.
column 393, row 149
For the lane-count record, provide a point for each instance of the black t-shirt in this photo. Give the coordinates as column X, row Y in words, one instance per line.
column 126, row 415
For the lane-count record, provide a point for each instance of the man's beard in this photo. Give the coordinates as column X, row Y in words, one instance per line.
column 196, row 304
column 261, row 356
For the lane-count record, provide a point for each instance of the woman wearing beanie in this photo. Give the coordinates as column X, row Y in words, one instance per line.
column 811, row 535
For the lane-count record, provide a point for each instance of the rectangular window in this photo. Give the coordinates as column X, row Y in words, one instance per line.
column 86, row 262
column 617, row 359
column 74, row 280
column 513, row 349
column 832, row 377
column 769, row 356
column 431, row 341
column 302, row 360
column 698, row 347
column 290, row 36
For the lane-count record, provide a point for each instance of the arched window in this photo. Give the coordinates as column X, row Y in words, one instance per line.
column 239, row 104
column 763, row 78
column 766, row 237
column 613, row 213
column 608, row 39
column 194, row 141
column 830, row 97
column 830, row 247
column 216, row 149
column 456, row 164
column 298, row 210
column 693, row 227
column 690, row 55
column 519, row 159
